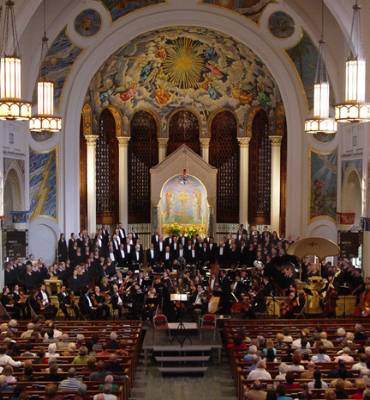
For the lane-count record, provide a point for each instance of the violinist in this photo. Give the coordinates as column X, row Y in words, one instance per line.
column 66, row 302
column 8, row 302
column 98, row 300
column 44, row 305
column 117, row 302
column 86, row 305
column 21, row 307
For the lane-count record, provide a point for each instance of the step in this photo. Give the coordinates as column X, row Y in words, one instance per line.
column 181, row 370
column 182, row 358
column 178, row 348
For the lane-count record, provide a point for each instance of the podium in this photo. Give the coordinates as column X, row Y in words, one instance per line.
column 181, row 333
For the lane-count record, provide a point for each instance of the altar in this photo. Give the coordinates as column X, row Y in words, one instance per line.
column 183, row 194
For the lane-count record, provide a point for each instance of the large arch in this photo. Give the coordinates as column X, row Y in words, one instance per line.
column 351, row 194
column 213, row 18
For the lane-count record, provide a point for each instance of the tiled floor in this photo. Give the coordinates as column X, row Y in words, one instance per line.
column 216, row 384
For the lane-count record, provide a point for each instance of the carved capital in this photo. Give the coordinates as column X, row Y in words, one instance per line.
column 123, row 140
column 91, row 139
column 205, row 142
column 275, row 140
column 244, row 141
column 162, row 141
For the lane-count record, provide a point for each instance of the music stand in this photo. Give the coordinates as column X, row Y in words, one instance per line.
column 181, row 331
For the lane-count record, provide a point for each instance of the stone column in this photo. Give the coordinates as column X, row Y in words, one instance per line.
column 91, row 182
column 275, row 182
column 162, row 148
column 243, row 176
column 205, row 148
column 366, row 255
column 123, row 179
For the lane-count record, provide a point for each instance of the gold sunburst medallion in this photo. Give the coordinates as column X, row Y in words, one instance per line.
column 184, row 62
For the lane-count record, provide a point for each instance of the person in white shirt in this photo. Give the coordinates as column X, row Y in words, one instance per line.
column 297, row 344
column 5, row 359
column 321, row 356
column 361, row 364
column 260, row 373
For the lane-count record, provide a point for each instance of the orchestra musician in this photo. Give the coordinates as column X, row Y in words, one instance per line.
column 67, row 302
column 117, row 301
column 86, row 306
column 99, row 301
column 40, row 302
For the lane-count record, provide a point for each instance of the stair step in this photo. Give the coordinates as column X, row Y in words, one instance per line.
column 193, row 349
column 180, row 370
column 182, row 358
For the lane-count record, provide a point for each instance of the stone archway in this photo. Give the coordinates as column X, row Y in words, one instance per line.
column 351, row 195
column 12, row 195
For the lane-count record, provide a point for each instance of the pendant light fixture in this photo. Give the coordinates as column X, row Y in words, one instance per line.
column 11, row 104
column 321, row 121
column 354, row 108
column 45, row 121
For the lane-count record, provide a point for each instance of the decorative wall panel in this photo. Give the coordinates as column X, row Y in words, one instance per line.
column 107, row 171
column 259, row 171
column 142, row 155
column 43, row 184
column 323, row 181
column 224, row 155
column 183, row 129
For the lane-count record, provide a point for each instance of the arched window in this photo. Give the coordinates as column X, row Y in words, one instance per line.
column 224, row 155
column 142, row 155
column 259, row 171
column 183, row 129
column 107, row 171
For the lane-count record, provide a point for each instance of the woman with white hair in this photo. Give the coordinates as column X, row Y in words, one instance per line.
column 52, row 351
column 260, row 373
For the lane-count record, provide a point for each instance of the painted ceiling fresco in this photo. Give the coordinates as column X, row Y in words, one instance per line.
column 183, row 67
column 249, row 8
column 58, row 62
column 119, row 8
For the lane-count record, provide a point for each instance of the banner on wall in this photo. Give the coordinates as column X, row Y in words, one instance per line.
column 346, row 218
column 349, row 243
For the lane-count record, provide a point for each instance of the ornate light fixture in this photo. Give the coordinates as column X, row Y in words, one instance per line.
column 321, row 121
column 11, row 105
column 354, row 108
column 45, row 121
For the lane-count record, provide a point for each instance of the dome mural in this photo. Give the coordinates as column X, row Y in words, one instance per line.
column 183, row 67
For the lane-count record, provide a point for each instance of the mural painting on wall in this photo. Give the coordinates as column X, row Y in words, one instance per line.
column 58, row 62
column 348, row 165
column 88, row 23
column 119, row 8
column 250, row 8
column 184, row 204
column 183, row 67
column 281, row 25
column 304, row 56
column 323, row 199
column 43, row 184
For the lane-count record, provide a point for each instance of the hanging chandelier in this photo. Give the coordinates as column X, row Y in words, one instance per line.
column 354, row 108
column 11, row 104
column 45, row 121
column 321, row 121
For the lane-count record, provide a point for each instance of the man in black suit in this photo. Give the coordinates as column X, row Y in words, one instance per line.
column 152, row 255
column 66, row 303
column 213, row 249
column 121, row 232
column 137, row 257
column 155, row 238
column 167, row 257
column 121, row 256
column 86, row 305
column 117, row 302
